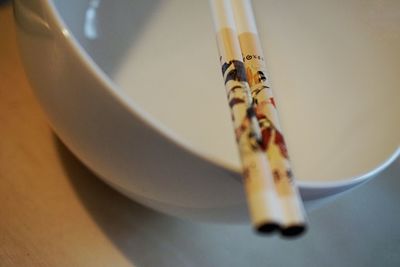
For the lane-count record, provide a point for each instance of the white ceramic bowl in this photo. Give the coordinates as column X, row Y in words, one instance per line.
column 133, row 88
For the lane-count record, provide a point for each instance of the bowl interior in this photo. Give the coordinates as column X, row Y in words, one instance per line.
column 335, row 70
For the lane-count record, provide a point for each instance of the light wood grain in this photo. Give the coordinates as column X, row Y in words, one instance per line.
column 43, row 220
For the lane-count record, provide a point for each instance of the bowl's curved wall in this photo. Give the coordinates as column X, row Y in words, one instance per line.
column 104, row 133
column 114, row 140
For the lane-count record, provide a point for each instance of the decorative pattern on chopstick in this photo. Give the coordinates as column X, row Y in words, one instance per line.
column 260, row 190
column 259, row 185
column 272, row 138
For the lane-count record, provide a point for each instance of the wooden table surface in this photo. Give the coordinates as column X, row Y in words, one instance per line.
column 44, row 219
column 55, row 212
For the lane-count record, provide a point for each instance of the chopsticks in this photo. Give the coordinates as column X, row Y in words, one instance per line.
column 273, row 198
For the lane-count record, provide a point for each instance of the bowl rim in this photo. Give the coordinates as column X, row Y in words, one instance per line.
column 163, row 131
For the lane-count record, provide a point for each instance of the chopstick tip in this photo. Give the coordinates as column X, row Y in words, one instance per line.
column 293, row 231
column 267, row 228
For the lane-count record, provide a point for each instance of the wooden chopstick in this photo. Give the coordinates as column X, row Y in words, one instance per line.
column 260, row 189
column 273, row 197
column 294, row 221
